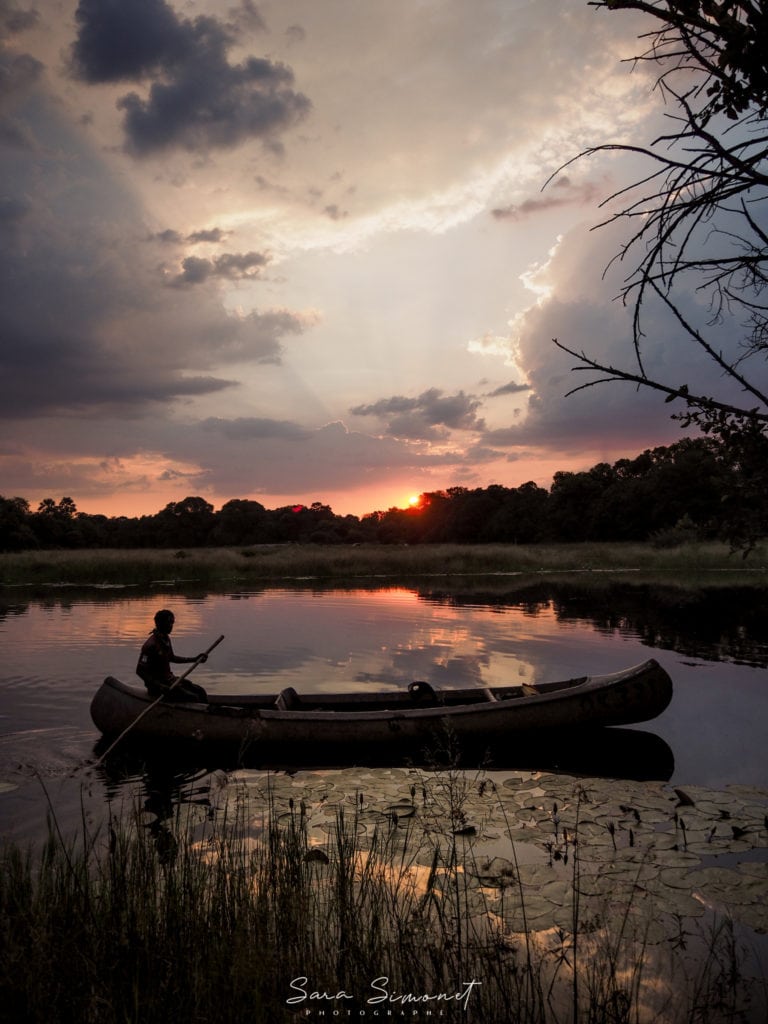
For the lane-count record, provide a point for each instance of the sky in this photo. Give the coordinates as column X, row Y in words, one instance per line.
column 304, row 251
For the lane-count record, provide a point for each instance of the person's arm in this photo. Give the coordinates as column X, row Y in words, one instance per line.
column 188, row 661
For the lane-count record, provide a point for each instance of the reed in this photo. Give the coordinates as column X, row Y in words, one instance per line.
column 374, row 562
column 247, row 921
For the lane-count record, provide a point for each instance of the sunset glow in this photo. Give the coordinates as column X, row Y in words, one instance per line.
column 324, row 289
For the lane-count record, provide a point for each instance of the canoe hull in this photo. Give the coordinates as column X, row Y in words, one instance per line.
column 622, row 698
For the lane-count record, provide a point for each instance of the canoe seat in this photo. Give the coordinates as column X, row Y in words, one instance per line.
column 422, row 693
column 530, row 690
column 287, row 699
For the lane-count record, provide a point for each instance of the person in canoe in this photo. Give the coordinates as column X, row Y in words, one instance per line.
column 154, row 665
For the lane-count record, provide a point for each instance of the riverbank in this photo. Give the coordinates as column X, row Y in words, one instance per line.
column 278, row 562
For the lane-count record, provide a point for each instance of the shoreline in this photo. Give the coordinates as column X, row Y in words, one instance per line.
column 691, row 563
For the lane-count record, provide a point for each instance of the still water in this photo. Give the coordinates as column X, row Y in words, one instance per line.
column 58, row 645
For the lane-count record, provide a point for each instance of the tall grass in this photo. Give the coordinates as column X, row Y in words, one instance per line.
column 291, row 561
column 242, row 923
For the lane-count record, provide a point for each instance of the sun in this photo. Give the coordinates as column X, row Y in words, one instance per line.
column 414, row 501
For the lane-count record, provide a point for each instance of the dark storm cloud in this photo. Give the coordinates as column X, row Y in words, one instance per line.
column 217, row 106
column 560, row 412
column 197, row 99
column 86, row 327
column 427, row 416
column 60, row 373
column 118, row 41
column 228, row 266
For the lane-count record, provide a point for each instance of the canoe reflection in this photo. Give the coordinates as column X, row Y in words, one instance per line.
column 607, row 753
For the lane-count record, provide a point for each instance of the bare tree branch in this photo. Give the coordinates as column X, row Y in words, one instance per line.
column 695, row 215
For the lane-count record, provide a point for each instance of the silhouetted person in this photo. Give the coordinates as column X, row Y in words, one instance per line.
column 155, row 660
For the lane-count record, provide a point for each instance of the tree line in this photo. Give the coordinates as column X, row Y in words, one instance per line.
column 666, row 495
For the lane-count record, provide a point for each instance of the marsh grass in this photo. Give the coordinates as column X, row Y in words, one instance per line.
column 369, row 561
column 228, row 921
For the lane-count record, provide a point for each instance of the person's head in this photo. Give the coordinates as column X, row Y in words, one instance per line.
column 164, row 620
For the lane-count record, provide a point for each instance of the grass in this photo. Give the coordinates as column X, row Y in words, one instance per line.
column 242, row 922
column 374, row 562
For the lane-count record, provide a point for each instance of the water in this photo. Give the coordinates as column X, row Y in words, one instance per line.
column 59, row 644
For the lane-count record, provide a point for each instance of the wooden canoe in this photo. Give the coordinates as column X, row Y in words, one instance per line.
column 389, row 719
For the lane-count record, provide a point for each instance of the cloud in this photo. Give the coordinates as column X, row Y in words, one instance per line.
column 173, row 475
column 295, row 34
column 249, row 428
column 214, row 456
column 252, row 455
column 86, row 326
column 246, row 16
column 167, row 237
column 513, row 388
column 118, row 41
column 170, row 236
column 12, row 211
column 228, row 266
column 562, row 192
column 19, row 72
column 207, row 235
column 428, row 416
column 14, row 19
column 576, row 303
column 197, row 99
column 334, row 212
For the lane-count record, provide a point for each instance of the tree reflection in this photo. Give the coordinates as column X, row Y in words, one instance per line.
column 713, row 623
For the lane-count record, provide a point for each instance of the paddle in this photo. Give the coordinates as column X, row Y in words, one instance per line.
column 154, row 703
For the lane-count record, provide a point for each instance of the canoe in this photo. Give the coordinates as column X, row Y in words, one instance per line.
column 412, row 717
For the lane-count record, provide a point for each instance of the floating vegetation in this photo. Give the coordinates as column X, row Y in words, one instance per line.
column 651, row 842
column 560, row 899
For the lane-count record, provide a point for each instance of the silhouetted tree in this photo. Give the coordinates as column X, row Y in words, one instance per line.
column 15, row 531
column 186, row 523
column 696, row 222
column 240, row 521
column 55, row 524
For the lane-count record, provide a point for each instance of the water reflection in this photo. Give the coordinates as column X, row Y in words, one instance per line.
column 161, row 787
column 60, row 644
column 602, row 753
column 716, row 623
